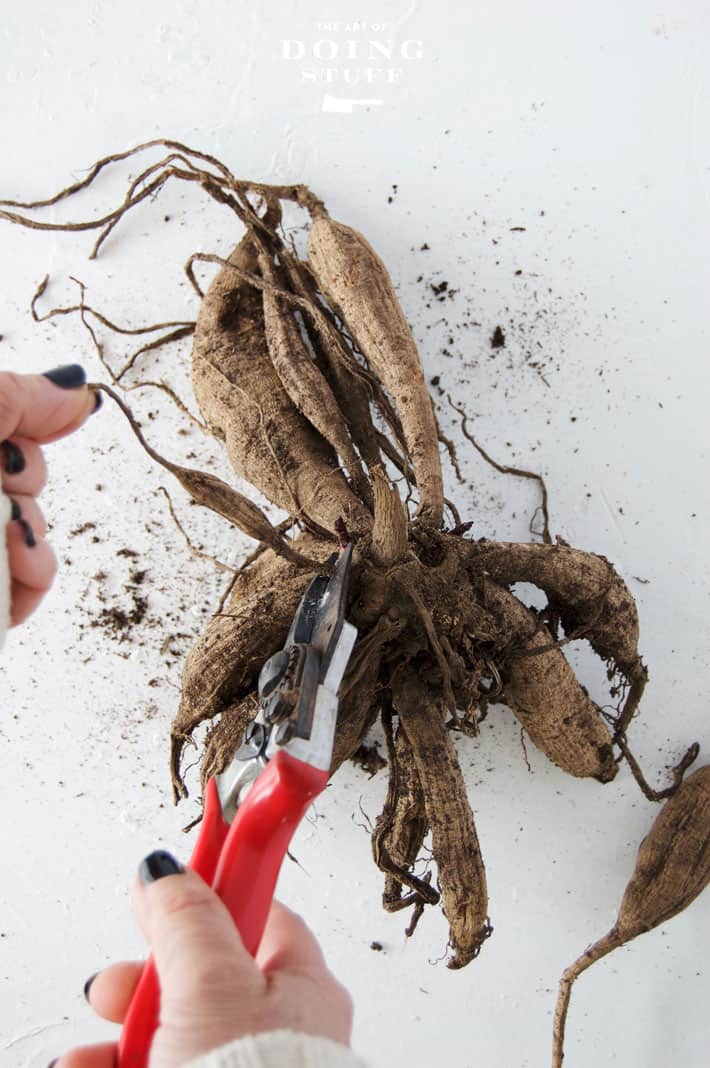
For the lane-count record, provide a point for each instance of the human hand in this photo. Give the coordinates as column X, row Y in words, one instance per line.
column 212, row 991
column 35, row 410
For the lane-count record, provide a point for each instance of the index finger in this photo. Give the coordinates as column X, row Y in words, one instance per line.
column 34, row 407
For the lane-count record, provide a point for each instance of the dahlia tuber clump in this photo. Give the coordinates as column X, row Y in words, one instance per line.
column 306, row 370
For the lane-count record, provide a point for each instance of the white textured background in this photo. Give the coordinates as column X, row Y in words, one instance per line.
column 588, row 126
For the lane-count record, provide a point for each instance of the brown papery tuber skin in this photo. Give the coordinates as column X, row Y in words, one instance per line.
column 268, row 441
column 544, row 694
column 355, row 280
column 305, row 384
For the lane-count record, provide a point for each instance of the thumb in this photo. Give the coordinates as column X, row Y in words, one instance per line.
column 47, row 406
column 201, row 961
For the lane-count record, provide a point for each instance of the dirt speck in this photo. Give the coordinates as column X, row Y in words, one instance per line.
column 118, row 622
column 498, row 338
column 82, row 529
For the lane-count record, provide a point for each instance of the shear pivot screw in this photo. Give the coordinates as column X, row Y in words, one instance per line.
column 254, row 735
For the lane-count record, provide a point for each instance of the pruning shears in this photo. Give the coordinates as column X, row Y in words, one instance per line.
column 253, row 807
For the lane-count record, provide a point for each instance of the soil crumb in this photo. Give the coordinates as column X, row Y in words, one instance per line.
column 116, row 620
column 369, row 759
column 498, row 338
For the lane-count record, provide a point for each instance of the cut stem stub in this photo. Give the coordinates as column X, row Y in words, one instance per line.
column 611, row 940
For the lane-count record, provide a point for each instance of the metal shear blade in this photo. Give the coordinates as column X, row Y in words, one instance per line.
column 327, row 655
column 331, row 611
column 320, row 641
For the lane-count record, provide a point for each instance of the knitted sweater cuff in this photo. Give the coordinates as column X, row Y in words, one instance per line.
column 279, row 1049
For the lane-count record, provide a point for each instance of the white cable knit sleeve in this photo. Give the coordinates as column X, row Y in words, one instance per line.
column 4, row 569
column 279, row 1049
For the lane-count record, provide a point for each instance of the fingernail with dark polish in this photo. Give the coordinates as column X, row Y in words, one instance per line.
column 30, row 540
column 14, row 458
column 87, row 985
column 157, row 865
column 16, row 513
column 68, row 376
column 52, row 1063
column 98, row 400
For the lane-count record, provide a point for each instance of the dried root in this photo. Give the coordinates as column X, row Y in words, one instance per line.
column 215, row 494
column 462, row 876
column 401, row 828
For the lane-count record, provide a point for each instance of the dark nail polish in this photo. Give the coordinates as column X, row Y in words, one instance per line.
column 68, row 376
column 16, row 513
column 52, row 1063
column 157, row 865
column 14, row 458
column 29, row 533
column 98, row 400
column 87, row 985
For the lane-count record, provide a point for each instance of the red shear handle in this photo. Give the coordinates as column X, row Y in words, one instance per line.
column 242, row 862
column 258, row 839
